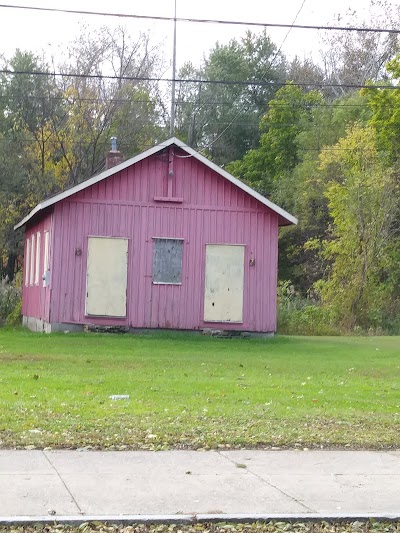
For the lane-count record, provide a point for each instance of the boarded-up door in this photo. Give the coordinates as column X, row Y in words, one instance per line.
column 107, row 266
column 223, row 299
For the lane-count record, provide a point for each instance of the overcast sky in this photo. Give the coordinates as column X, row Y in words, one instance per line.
column 29, row 30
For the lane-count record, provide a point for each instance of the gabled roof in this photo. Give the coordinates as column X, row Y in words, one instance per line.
column 289, row 219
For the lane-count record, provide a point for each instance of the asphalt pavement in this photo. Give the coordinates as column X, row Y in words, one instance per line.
column 74, row 486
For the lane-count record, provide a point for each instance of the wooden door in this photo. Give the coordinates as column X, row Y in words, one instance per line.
column 107, row 269
column 223, row 297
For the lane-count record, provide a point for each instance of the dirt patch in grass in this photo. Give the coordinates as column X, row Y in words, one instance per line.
column 27, row 358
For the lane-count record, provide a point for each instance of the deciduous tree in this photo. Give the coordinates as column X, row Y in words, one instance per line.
column 363, row 282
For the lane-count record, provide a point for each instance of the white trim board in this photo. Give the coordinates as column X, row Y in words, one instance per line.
column 165, row 144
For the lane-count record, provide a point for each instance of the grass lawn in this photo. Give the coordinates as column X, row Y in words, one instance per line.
column 369, row 526
column 190, row 391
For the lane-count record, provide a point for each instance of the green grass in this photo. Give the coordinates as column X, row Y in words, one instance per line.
column 190, row 391
column 369, row 526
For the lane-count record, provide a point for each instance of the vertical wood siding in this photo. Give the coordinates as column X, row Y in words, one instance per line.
column 213, row 211
column 36, row 297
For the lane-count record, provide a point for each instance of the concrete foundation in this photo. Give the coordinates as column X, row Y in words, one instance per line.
column 41, row 326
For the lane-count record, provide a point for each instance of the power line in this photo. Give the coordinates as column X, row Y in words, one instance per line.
column 68, row 100
column 203, row 21
column 271, row 127
column 244, row 106
column 288, row 32
column 122, row 144
column 123, row 101
column 199, row 149
column 258, row 83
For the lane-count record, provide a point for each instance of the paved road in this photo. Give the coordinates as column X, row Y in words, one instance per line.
column 80, row 483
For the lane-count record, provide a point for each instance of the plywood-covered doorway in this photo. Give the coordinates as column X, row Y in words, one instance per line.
column 107, row 266
column 223, row 296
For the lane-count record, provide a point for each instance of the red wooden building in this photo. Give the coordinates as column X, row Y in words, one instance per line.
column 166, row 239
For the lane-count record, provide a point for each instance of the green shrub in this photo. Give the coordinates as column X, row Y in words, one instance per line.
column 298, row 315
column 10, row 298
column 14, row 318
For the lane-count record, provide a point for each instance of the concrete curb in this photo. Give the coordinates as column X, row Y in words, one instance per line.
column 195, row 518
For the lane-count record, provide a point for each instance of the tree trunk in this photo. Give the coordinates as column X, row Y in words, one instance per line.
column 9, row 270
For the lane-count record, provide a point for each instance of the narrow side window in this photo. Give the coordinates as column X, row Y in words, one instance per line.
column 37, row 266
column 32, row 266
column 46, row 259
column 167, row 261
column 27, row 261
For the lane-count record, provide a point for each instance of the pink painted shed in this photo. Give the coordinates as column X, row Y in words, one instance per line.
column 166, row 239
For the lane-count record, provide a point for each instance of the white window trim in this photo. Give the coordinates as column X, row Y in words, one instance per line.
column 46, row 257
column 37, row 265
column 27, row 261
column 173, row 283
column 32, row 265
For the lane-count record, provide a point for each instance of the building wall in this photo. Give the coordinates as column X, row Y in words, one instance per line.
column 35, row 289
column 212, row 210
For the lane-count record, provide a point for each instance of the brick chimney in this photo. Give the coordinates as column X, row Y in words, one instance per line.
column 114, row 156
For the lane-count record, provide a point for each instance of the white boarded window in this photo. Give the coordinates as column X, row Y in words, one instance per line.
column 32, row 266
column 167, row 261
column 37, row 266
column 46, row 259
column 27, row 261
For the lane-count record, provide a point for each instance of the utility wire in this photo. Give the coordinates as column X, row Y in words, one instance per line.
column 258, row 83
column 289, row 30
column 270, row 127
column 243, row 107
column 122, row 145
column 204, row 21
column 124, row 101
